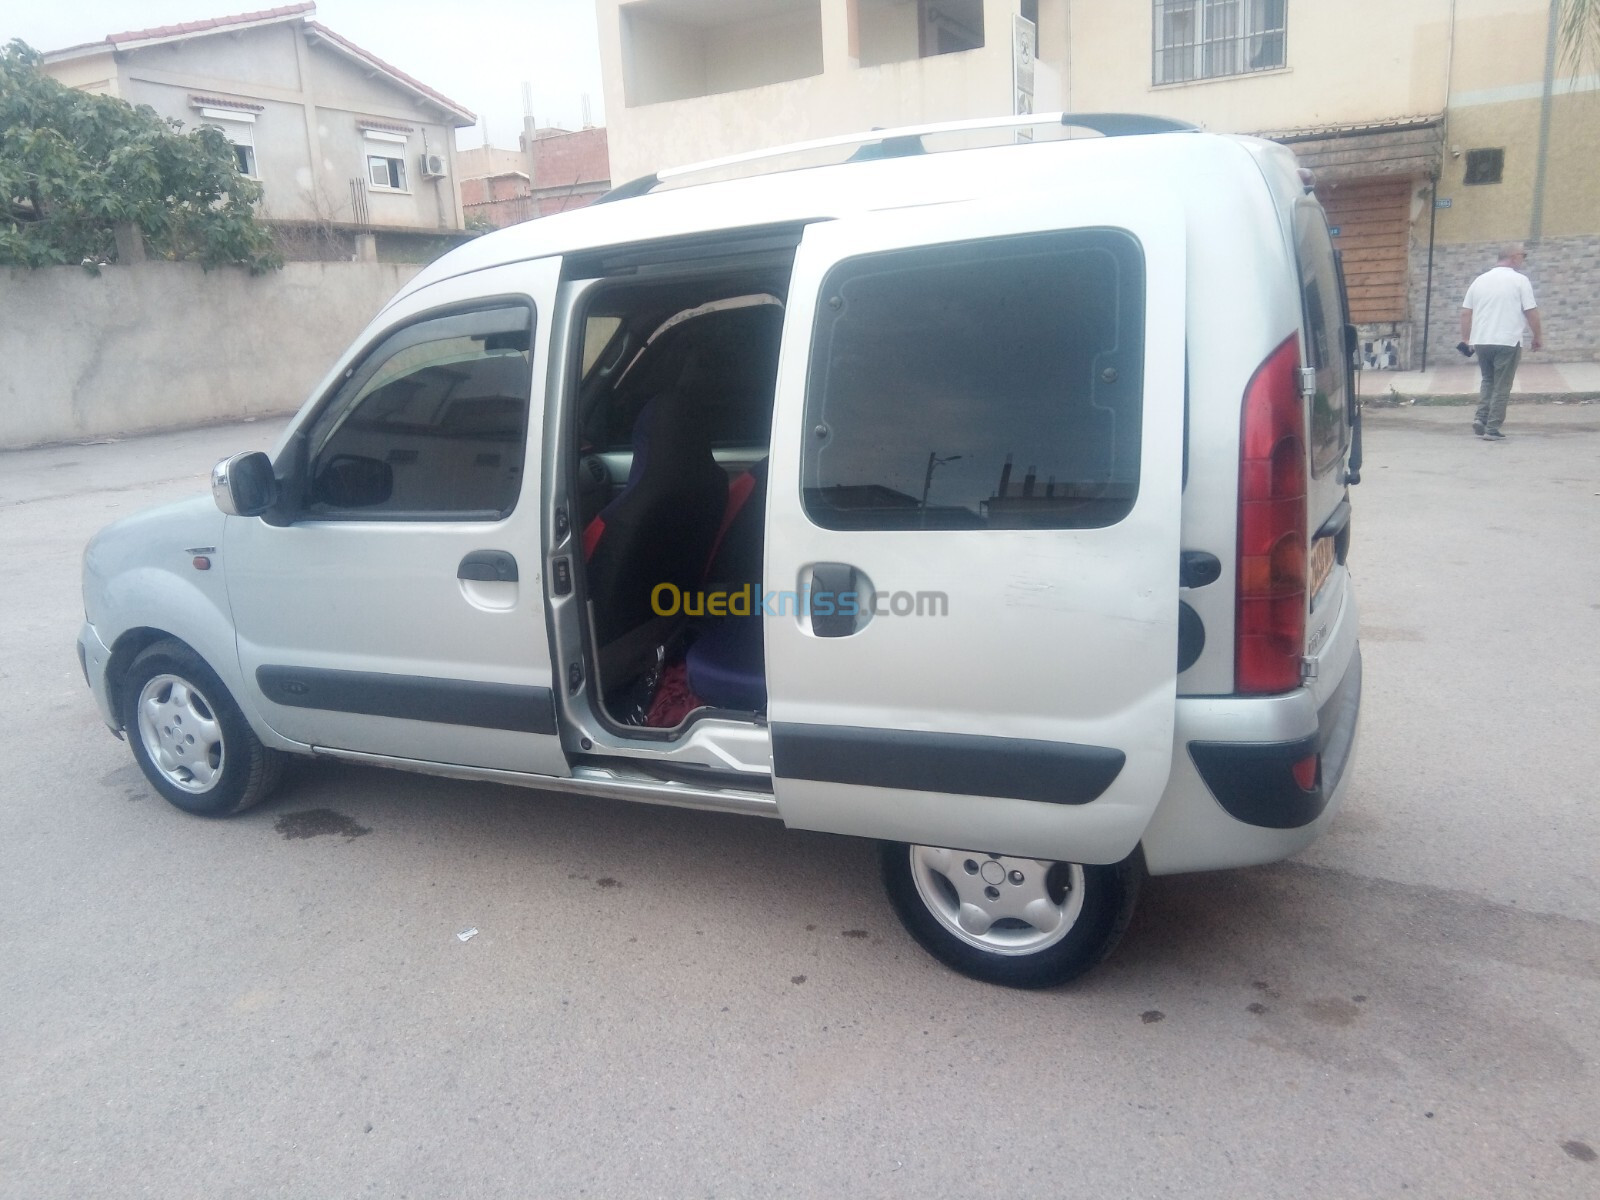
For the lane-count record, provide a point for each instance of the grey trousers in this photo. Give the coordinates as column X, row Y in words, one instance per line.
column 1498, row 366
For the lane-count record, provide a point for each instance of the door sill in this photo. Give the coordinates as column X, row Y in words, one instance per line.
column 613, row 780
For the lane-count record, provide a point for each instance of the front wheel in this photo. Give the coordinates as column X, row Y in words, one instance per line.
column 1020, row 922
column 189, row 737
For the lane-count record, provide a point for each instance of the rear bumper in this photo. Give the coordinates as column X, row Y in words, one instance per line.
column 1232, row 799
column 1255, row 782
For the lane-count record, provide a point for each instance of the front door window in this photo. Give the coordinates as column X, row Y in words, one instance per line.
column 432, row 425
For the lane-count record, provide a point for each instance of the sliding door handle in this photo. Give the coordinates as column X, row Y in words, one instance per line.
column 835, row 599
column 488, row 566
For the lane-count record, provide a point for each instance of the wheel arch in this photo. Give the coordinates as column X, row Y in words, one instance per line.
column 127, row 647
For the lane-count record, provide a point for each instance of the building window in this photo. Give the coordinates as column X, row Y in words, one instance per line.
column 1208, row 39
column 239, row 128
column 386, row 159
column 386, row 172
column 985, row 384
column 1485, row 166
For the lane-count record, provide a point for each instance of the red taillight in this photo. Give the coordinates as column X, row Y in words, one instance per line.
column 1270, row 630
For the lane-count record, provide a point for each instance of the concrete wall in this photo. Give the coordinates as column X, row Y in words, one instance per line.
column 1355, row 61
column 887, row 32
column 95, row 73
column 672, row 57
column 1370, row 61
column 1504, row 211
column 165, row 345
column 483, row 161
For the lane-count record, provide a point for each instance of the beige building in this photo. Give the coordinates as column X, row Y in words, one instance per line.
column 1437, row 128
column 338, row 138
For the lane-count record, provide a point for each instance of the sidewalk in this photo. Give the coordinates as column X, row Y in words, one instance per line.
column 1461, row 377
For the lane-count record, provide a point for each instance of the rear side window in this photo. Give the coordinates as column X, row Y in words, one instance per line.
column 1324, row 325
column 992, row 384
column 432, row 423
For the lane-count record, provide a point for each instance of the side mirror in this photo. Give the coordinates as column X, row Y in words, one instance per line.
column 1352, row 341
column 351, row 481
column 244, row 485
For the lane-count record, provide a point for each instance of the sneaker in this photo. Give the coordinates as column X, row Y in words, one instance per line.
column 1477, row 428
column 1493, row 435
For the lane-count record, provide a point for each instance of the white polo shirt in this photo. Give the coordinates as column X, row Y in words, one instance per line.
column 1498, row 298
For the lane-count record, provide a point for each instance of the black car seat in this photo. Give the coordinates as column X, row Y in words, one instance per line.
column 661, row 527
column 736, row 551
column 727, row 659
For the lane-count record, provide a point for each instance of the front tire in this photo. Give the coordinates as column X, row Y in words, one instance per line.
column 189, row 737
column 1018, row 922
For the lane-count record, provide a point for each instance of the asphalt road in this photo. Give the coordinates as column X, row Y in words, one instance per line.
column 665, row 1003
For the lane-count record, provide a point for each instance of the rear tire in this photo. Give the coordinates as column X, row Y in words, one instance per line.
column 189, row 737
column 1018, row 922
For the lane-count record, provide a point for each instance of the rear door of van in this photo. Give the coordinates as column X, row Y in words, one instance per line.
column 1329, row 420
column 971, row 569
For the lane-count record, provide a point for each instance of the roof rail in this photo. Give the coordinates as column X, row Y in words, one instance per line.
column 889, row 143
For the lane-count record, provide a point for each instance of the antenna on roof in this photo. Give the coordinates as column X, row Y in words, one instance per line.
column 588, row 122
column 527, row 98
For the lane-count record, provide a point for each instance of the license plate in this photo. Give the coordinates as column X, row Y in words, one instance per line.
column 1322, row 560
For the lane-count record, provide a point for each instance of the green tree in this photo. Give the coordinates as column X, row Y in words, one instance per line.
column 75, row 165
column 1580, row 34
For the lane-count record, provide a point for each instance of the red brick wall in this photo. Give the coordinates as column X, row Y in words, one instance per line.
column 562, row 160
column 571, row 170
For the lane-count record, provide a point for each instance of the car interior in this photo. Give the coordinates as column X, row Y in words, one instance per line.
column 674, row 415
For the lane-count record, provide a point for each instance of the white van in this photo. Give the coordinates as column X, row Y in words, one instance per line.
column 989, row 502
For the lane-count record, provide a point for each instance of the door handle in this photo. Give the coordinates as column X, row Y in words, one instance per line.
column 488, row 566
column 828, row 580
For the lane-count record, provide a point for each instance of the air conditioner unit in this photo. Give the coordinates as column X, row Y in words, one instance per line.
column 433, row 166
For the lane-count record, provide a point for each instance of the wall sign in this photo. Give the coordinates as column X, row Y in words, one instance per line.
column 1024, row 42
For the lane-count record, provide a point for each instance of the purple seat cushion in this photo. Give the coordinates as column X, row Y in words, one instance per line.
column 727, row 664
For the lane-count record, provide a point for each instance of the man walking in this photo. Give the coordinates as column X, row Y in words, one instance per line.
column 1498, row 307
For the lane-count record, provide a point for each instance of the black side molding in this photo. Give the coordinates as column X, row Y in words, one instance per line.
column 1254, row 781
column 514, row 707
column 951, row 763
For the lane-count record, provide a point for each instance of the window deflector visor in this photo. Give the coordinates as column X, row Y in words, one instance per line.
column 384, row 361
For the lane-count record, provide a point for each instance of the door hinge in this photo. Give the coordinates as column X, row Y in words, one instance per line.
column 1308, row 382
column 1308, row 670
